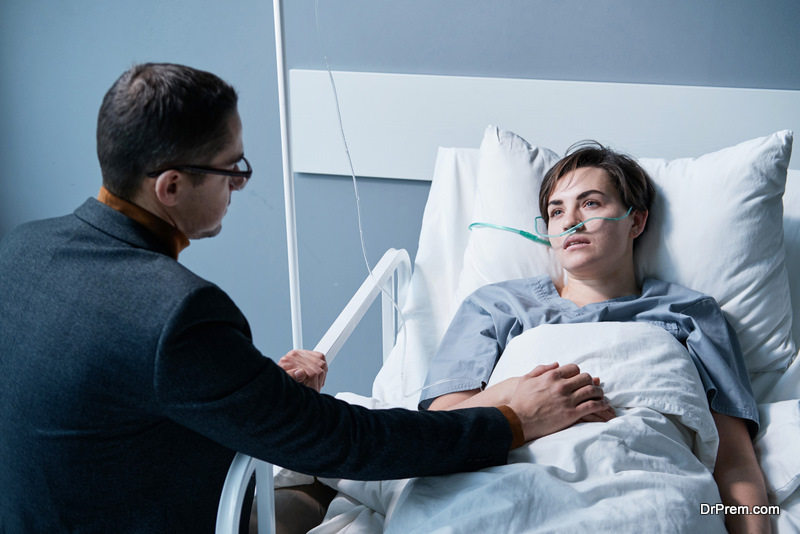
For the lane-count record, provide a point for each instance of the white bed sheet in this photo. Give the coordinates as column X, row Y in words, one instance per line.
column 645, row 471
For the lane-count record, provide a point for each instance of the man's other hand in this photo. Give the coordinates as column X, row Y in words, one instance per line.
column 306, row 366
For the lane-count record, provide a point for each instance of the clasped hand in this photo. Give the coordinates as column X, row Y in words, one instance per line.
column 552, row 397
column 306, row 366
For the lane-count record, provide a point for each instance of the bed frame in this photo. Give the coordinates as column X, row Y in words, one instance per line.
column 395, row 123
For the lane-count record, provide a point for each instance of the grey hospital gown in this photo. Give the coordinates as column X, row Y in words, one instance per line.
column 494, row 314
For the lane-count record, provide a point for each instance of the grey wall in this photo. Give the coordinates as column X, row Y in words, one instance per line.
column 58, row 58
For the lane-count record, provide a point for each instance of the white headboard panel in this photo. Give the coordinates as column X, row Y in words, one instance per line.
column 395, row 122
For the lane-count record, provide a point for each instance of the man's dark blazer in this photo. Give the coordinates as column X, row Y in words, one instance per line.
column 127, row 383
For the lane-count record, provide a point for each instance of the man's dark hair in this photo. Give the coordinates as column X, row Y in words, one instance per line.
column 628, row 177
column 158, row 115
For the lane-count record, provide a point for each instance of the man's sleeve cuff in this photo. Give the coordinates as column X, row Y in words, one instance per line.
column 518, row 436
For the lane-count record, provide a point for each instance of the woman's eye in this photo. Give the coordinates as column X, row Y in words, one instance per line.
column 592, row 203
column 555, row 213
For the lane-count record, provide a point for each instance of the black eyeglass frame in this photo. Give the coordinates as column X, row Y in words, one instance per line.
column 200, row 169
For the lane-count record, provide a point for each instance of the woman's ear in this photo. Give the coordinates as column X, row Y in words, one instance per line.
column 167, row 187
column 639, row 222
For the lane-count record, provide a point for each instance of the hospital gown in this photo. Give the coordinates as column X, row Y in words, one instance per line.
column 494, row 314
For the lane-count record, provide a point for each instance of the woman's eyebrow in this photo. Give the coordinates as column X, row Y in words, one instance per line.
column 590, row 192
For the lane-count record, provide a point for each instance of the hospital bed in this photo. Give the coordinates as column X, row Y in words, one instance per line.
column 726, row 222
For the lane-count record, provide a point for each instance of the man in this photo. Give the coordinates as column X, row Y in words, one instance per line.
column 127, row 382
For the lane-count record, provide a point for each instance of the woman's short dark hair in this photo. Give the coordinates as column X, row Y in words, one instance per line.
column 628, row 177
column 157, row 115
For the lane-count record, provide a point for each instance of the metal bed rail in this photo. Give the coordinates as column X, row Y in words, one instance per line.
column 389, row 278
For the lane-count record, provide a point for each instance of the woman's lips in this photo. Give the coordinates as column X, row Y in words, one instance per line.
column 575, row 241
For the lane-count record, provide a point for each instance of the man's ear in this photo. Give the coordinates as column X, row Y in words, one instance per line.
column 168, row 185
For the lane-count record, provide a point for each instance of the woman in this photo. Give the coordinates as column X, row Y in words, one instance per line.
column 595, row 204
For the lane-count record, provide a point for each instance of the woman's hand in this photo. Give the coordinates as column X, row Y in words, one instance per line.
column 601, row 416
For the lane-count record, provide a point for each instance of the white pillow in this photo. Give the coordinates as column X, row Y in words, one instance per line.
column 716, row 227
column 780, row 427
column 510, row 172
column 791, row 244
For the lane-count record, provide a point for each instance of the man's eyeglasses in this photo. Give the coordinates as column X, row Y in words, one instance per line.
column 238, row 177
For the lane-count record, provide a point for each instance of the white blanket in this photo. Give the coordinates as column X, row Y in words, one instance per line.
column 647, row 470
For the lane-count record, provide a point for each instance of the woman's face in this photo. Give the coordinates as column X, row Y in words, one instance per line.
column 601, row 247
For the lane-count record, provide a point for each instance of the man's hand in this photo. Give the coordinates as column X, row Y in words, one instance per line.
column 551, row 398
column 306, row 366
